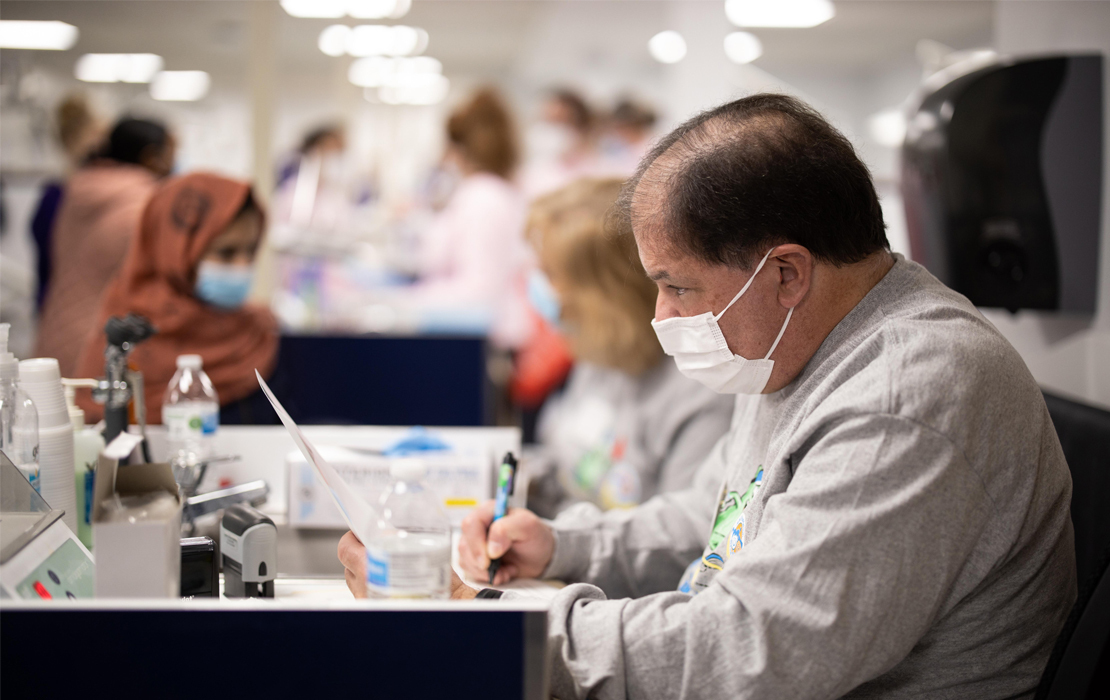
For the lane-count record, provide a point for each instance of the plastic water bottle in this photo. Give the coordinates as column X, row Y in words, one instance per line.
column 410, row 554
column 19, row 420
column 191, row 414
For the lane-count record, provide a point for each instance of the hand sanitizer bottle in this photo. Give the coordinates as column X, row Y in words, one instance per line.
column 19, row 420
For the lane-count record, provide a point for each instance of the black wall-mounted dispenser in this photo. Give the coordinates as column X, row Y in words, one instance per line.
column 1002, row 180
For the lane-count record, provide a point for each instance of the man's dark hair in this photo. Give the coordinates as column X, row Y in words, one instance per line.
column 130, row 139
column 764, row 170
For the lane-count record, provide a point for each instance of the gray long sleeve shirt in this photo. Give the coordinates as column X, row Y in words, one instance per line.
column 616, row 440
column 894, row 523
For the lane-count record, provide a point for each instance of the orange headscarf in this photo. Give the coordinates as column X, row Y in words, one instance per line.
column 157, row 281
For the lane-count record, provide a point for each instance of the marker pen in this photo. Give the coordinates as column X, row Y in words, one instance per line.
column 506, row 480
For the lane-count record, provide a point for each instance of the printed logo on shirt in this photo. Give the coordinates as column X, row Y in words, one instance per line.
column 591, row 468
column 729, row 528
column 687, row 580
column 713, row 561
column 752, row 490
column 699, row 573
column 726, row 510
column 620, row 488
column 595, row 468
column 736, row 537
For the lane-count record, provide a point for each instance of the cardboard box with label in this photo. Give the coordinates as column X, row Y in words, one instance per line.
column 136, row 520
column 462, row 480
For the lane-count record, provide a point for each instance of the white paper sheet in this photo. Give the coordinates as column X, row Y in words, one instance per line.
column 359, row 514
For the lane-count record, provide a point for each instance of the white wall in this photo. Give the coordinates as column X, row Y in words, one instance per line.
column 1069, row 355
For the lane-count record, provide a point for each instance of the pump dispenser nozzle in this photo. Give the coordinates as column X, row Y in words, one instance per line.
column 76, row 415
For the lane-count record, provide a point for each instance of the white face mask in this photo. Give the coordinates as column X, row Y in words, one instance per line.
column 701, row 352
column 548, row 141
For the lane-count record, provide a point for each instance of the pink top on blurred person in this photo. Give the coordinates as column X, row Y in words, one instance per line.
column 474, row 252
column 98, row 219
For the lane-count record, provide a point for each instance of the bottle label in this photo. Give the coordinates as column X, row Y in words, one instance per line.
column 190, row 421
column 377, row 568
column 420, row 574
column 31, row 471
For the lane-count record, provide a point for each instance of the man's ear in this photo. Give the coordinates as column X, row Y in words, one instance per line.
column 795, row 266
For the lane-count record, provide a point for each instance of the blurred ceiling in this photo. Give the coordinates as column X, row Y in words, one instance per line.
column 488, row 37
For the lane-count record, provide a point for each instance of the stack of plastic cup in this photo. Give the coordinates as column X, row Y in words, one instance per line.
column 42, row 381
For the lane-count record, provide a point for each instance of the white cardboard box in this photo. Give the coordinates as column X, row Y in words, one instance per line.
column 140, row 559
column 460, row 481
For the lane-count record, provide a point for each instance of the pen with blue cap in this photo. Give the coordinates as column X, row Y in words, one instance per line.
column 506, row 481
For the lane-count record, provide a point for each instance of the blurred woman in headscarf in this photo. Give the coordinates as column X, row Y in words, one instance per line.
column 189, row 272
column 98, row 219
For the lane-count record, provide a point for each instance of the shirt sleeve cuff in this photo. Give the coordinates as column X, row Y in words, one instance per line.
column 571, row 558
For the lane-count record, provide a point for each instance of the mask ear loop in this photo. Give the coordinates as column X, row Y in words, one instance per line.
column 746, row 285
column 781, row 331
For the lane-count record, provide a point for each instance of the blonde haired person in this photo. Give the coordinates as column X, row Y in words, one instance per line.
column 627, row 425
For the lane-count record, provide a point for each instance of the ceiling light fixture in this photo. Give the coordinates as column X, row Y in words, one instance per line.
column 315, row 8
column 360, row 9
column 779, row 13
column 378, row 71
column 43, row 36
column 378, row 9
column 333, row 40
column 888, row 127
column 180, row 85
column 667, row 47
column 373, row 40
column 743, row 47
column 117, row 67
column 420, row 89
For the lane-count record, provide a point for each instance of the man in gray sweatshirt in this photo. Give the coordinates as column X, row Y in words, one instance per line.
column 888, row 515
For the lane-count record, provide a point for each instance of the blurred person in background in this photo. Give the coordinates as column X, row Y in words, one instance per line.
column 323, row 142
column 473, row 254
column 626, row 137
column 96, row 223
column 314, row 201
column 628, row 425
column 561, row 144
column 189, row 271
column 80, row 133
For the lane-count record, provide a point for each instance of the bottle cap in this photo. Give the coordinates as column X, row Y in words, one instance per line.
column 9, row 366
column 189, row 361
column 408, row 469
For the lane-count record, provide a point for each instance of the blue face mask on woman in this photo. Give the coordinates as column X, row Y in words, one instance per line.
column 225, row 286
